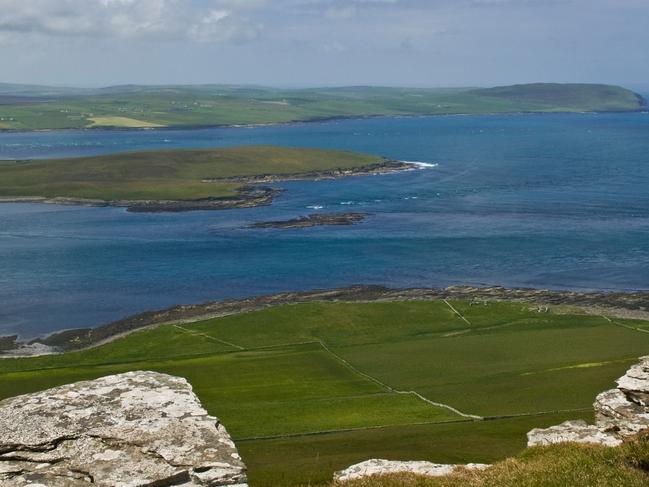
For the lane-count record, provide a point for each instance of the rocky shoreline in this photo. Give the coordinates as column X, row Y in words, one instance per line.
column 247, row 197
column 314, row 220
column 614, row 304
column 384, row 167
column 251, row 194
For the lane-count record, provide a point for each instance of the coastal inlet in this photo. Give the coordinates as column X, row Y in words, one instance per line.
column 539, row 201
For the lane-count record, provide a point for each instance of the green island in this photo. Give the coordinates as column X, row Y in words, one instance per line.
column 308, row 388
column 177, row 180
column 24, row 107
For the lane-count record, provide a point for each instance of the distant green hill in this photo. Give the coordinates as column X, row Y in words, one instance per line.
column 13, row 89
column 24, row 107
column 566, row 97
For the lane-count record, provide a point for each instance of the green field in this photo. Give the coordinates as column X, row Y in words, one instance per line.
column 29, row 108
column 306, row 389
column 165, row 175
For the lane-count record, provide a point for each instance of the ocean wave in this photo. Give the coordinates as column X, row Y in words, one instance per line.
column 315, row 207
column 421, row 165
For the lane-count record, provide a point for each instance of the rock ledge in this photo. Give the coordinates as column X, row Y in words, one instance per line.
column 128, row 430
column 386, row 467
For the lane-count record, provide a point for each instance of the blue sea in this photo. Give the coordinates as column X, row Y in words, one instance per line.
column 553, row 201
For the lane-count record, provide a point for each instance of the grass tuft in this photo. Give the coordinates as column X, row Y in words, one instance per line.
column 561, row 465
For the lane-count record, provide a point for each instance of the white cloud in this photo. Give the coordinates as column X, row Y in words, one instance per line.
column 202, row 20
column 325, row 41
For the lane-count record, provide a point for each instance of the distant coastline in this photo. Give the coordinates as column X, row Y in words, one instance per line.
column 189, row 107
column 643, row 109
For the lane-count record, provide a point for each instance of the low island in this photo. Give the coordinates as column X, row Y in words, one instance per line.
column 180, row 180
column 314, row 220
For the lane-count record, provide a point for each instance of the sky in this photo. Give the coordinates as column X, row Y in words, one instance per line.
column 324, row 42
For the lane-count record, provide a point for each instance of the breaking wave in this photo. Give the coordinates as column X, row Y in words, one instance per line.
column 422, row 165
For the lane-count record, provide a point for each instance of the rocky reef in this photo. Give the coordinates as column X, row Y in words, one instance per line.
column 386, row 467
column 314, row 220
column 134, row 429
column 620, row 413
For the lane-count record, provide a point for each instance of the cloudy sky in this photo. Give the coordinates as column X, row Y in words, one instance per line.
column 324, row 42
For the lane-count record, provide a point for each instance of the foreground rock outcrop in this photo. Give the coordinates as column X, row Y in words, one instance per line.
column 385, row 467
column 620, row 413
column 129, row 430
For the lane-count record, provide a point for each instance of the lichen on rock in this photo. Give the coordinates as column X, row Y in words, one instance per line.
column 385, row 467
column 577, row 431
column 128, row 430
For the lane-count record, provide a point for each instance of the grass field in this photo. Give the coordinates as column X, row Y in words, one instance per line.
column 148, row 106
column 306, row 389
column 123, row 122
column 169, row 174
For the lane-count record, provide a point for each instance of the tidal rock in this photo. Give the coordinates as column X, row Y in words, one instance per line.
column 314, row 220
column 385, row 467
column 574, row 431
column 128, row 430
column 619, row 413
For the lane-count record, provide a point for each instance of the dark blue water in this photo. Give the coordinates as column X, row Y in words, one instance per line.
column 558, row 201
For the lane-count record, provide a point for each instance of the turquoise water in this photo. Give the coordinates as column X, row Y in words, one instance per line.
column 557, row 201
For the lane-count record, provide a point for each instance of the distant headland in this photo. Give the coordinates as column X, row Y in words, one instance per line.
column 29, row 107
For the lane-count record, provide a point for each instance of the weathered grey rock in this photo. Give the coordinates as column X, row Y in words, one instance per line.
column 574, row 431
column 635, row 383
column 128, row 430
column 620, row 413
column 385, row 467
column 615, row 412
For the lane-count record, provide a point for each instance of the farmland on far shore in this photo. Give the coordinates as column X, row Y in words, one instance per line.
column 133, row 106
